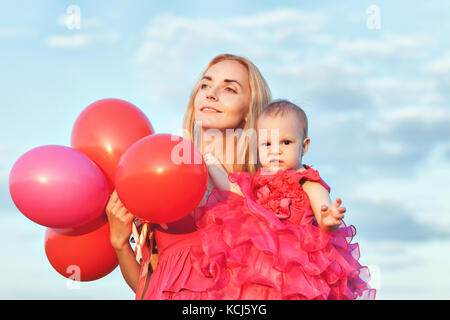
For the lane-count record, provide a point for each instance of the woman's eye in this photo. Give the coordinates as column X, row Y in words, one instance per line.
column 230, row 89
column 265, row 144
column 203, row 86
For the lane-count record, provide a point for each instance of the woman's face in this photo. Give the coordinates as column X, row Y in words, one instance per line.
column 222, row 101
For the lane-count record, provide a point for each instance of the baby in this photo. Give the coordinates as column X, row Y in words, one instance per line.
column 276, row 234
column 283, row 140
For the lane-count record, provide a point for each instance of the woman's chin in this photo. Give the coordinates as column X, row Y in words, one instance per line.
column 207, row 122
column 210, row 124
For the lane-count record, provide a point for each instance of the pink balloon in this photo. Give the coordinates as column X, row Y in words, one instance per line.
column 58, row 187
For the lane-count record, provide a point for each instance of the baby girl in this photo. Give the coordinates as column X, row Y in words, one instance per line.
column 277, row 234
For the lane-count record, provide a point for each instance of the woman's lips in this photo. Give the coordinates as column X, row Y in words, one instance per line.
column 209, row 109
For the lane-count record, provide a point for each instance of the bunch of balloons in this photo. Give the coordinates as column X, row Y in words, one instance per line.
column 66, row 189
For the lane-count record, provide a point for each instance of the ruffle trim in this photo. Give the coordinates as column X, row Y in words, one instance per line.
column 280, row 192
column 254, row 255
column 179, row 276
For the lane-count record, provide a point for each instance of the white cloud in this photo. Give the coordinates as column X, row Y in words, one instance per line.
column 312, row 70
column 400, row 91
column 364, row 47
column 178, row 48
column 71, row 41
column 350, row 100
column 388, row 45
column 14, row 32
column 395, row 83
column 424, row 194
column 439, row 66
column 422, row 114
column 309, row 20
column 172, row 36
column 408, row 270
column 413, row 121
column 85, row 23
column 91, row 31
column 80, row 40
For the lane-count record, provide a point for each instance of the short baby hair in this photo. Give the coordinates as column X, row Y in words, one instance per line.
column 283, row 108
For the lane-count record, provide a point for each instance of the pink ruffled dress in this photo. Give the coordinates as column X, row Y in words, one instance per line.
column 178, row 275
column 267, row 245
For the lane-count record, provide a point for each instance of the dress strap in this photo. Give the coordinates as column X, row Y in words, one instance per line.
column 244, row 180
column 312, row 175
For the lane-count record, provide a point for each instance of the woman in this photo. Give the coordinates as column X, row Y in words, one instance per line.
column 227, row 99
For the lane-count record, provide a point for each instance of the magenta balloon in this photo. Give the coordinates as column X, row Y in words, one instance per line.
column 58, row 187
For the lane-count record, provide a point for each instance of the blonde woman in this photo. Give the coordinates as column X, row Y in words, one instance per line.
column 220, row 118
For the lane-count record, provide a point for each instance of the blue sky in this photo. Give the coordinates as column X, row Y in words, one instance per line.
column 378, row 103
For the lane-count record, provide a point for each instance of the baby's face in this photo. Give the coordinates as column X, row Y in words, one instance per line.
column 280, row 142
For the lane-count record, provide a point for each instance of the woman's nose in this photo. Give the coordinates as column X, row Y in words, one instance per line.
column 211, row 94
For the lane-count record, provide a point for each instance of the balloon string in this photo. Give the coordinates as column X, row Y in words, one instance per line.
column 145, row 255
column 140, row 240
column 136, row 237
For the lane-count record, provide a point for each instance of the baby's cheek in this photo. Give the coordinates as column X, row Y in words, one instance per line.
column 262, row 155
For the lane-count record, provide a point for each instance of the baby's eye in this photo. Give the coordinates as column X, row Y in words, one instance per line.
column 286, row 142
column 265, row 144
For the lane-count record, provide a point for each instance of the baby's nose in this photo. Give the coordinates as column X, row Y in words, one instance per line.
column 276, row 150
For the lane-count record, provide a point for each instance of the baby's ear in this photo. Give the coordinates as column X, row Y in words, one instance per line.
column 306, row 143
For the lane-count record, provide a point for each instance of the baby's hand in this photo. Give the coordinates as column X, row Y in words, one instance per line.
column 332, row 215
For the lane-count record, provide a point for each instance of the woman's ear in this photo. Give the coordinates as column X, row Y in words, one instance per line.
column 306, row 143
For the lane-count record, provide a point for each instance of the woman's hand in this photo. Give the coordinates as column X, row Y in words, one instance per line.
column 120, row 220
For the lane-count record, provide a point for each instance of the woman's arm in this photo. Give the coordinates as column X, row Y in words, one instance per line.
column 120, row 220
column 129, row 267
column 219, row 175
column 328, row 215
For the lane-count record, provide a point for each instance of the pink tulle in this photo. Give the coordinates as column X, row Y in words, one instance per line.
column 179, row 275
column 265, row 245
column 257, row 249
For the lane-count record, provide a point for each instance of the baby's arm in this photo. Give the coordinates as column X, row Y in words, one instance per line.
column 219, row 175
column 328, row 215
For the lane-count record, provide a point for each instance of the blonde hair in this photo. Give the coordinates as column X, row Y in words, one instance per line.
column 259, row 98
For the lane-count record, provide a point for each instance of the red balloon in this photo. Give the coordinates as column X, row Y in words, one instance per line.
column 106, row 129
column 83, row 253
column 161, row 178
